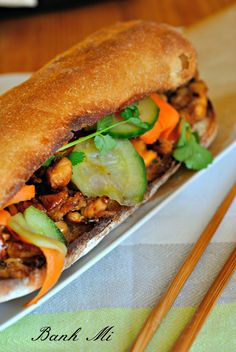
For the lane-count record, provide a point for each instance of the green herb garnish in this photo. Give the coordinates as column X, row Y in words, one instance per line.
column 76, row 157
column 104, row 143
column 105, row 122
column 131, row 111
column 104, row 125
column 189, row 151
column 49, row 161
column 132, row 115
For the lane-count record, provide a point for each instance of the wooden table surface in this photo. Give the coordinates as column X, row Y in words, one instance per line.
column 27, row 42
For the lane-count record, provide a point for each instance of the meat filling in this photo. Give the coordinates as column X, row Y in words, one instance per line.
column 17, row 259
column 69, row 208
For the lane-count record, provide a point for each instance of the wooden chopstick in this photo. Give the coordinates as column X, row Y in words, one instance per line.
column 191, row 330
column 166, row 301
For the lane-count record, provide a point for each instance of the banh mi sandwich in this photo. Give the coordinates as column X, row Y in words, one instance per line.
column 87, row 139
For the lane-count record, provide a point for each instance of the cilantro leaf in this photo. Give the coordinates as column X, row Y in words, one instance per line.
column 185, row 128
column 105, row 122
column 104, row 143
column 183, row 153
column 76, row 157
column 189, row 151
column 49, row 161
column 132, row 115
column 196, row 135
column 200, row 159
column 131, row 111
column 138, row 122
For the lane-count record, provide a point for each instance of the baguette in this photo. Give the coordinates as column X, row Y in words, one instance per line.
column 101, row 75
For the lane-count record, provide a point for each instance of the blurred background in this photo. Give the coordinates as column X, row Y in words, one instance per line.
column 34, row 31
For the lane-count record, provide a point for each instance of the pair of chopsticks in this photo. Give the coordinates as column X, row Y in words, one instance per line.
column 191, row 330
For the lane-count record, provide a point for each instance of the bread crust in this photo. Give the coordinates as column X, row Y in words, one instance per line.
column 10, row 289
column 15, row 288
column 107, row 71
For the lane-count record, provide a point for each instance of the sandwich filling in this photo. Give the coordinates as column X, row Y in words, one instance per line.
column 88, row 181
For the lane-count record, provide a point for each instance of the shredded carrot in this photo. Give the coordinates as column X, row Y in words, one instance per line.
column 147, row 155
column 4, row 217
column 25, row 193
column 54, row 258
column 167, row 121
column 55, row 262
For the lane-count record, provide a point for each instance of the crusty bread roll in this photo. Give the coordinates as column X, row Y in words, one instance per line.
column 108, row 70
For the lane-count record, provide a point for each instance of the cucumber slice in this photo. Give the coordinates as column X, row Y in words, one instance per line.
column 149, row 112
column 18, row 224
column 120, row 174
column 41, row 224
